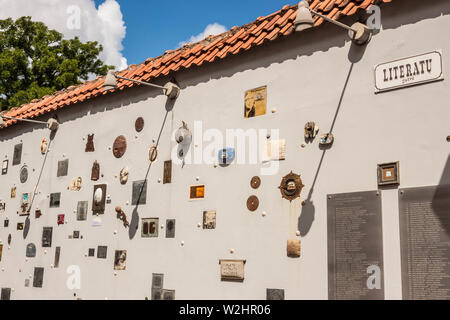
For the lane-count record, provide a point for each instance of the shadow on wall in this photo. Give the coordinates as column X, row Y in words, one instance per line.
column 441, row 198
column 134, row 224
column 307, row 215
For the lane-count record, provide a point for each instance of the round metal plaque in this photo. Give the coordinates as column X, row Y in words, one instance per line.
column 139, row 124
column 256, row 182
column 119, row 146
column 252, row 203
column 24, row 174
column 291, row 186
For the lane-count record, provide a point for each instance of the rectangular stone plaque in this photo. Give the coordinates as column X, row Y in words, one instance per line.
column 170, row 228
column 101, row 252
column 425, row 242
column 232, row 270
column 57, row 255
column 63, row 168
column 168, row 294
column 55, row 199
column 157, row 280
column 82, row 209
column 139, row 195
column 47, row 237
column 6, row 294
column 275, row 294
column 17, row 157
column 38, row 277
column 355, row 246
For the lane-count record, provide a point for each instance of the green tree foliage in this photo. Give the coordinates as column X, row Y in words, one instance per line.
column 36, row 61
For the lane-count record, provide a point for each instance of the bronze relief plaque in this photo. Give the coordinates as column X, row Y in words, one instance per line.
column 119, row 146
column 139, row 124
column 253, row 203
column 95, row 174
column 90, row 144
column 291, row 186
column 255, row 182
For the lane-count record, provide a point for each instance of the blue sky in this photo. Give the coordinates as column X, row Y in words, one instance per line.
column 153, row 27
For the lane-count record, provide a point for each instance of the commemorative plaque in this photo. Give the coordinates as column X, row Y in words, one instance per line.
column 17, row 156
column 38, row 277
column 425, row 242
column 355, row 246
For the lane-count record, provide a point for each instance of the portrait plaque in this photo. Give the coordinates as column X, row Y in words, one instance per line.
column 275, row 294
column 209, row 219
column 425, row 242
column 120, row 260
column 17, row 157
column 31, row 250
column 102, row 252
column 119, row 146
column 232, row 270
column 38, row 277
column 47, row 237
column 55, row 199
column 139, row 195
column 170, row 228
column 255, row 102
column 63, row 168
column 5, row 294
column 355, row 246
column 99, row 199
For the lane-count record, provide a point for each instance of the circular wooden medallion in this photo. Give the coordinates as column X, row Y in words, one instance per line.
column 24, row 174
column 256, row 182
column 252, row 203
column 119, row 146
column 139, row 124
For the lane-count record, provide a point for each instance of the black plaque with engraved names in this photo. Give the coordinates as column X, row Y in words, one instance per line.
column 425, row 242
column 355, row 246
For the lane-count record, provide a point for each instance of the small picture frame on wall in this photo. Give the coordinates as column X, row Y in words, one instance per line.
column 389, row 174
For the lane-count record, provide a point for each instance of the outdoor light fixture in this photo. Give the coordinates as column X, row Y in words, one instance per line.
column 51, row 124
column 170, row 89
column 358, row 32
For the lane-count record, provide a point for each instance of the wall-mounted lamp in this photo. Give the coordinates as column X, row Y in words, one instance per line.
column 358, row 32
column 51, row 124
column 170, row 89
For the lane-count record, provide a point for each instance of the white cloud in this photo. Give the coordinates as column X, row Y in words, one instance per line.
column 211, row 29
column 77, row 18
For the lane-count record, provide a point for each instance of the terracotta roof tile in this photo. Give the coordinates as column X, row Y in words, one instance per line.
column 213, row 48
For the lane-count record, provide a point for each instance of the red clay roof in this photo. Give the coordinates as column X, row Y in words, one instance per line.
column 213, row 48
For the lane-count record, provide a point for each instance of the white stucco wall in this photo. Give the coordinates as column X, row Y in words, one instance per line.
column 305, row 76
